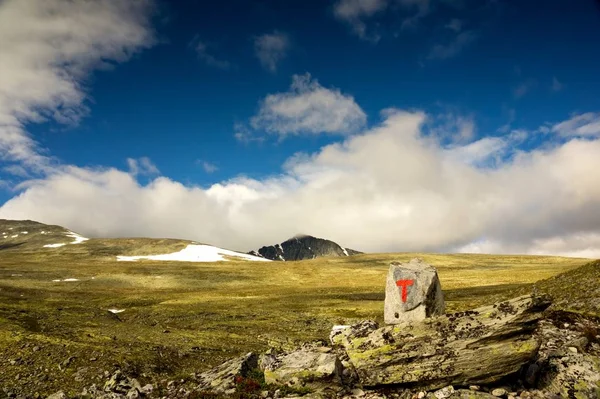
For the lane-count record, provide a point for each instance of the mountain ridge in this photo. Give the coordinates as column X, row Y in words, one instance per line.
column 303, row 246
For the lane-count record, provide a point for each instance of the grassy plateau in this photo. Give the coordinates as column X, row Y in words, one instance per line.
column 184, row 317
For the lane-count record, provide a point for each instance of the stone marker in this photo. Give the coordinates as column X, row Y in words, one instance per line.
column 412, row 293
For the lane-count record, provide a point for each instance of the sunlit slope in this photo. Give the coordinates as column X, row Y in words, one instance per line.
column 42, row 241
column 178, row 317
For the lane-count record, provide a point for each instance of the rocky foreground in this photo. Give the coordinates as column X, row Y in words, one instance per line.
column 512, row 349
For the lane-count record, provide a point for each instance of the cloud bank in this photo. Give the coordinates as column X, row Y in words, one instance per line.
column 389, row 188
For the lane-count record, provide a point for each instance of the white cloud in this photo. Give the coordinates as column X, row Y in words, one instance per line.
column 451, row 127
column 455, row 25
column 479, row 152
column 271, row 48
column 201, row 50
column 142, row 166
column 585, row 125
column 309, row 108
column 208, row 167
column 388, row 189
column 556, row 84
column 354, row 12
column 423, row 9
column 48, row 47
column 523, row 88
column 454, row 47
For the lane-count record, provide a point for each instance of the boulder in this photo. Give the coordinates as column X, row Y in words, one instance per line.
column 473, row 347
column 361, row 329
column 309, row 367
column 335, row 331
column 221, row 379
column 567, row 363
column 412, row 293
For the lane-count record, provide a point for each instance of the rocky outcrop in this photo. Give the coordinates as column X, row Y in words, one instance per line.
column 413, row 292
column 222, row 379
column 314, row 367
column 472, row 347
column 303, row 247
column 568, row 363
column 510, row 350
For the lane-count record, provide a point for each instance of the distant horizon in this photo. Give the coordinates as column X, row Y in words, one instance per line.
column 244, row 251
column 435, row 126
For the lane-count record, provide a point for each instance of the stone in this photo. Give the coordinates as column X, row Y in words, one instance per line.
column 444, row 393
column 499, row 392
column 306, row 367
column 147, row 389
column 470, row 394
column 57, row 395
column 476, row 347
column 221, row 379
column 573, row 376
column 413, row 292
column 267, row 358
column 474, row 387
column 361, row 329
column 531, row 375
column 336, row 330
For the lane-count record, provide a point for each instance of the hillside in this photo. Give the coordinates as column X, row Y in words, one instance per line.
column 42, row 240
column 77, row 315
column 575, row 291
column 303, row 247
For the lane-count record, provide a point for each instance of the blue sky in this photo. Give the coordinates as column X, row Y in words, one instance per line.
column 242, row 107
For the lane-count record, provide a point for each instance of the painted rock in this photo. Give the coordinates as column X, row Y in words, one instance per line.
column 413, row 292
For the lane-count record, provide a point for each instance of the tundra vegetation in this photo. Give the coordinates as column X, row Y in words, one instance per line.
column 180, row 318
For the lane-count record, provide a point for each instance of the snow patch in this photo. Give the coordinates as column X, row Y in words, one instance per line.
column 67, row 280
column 24, row 232
column 78, row 239
column 14, row 236
column 115, row 311
column 53, row 245
column 345, row 252
column 339, row 328
column 195, row 253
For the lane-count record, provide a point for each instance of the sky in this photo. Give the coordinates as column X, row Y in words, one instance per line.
column 384, row 125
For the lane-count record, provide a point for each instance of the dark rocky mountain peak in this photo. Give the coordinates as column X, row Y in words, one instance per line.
column 303, row 246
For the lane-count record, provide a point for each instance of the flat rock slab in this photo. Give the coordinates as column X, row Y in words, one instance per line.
column 304, row 367
column 473, row 347
column 221, row 379
column 412, row 293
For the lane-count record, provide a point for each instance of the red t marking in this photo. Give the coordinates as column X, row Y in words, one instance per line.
column 404, row 284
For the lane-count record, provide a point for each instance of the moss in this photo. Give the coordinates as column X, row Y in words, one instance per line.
column 586, row 390
column 528, row 346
